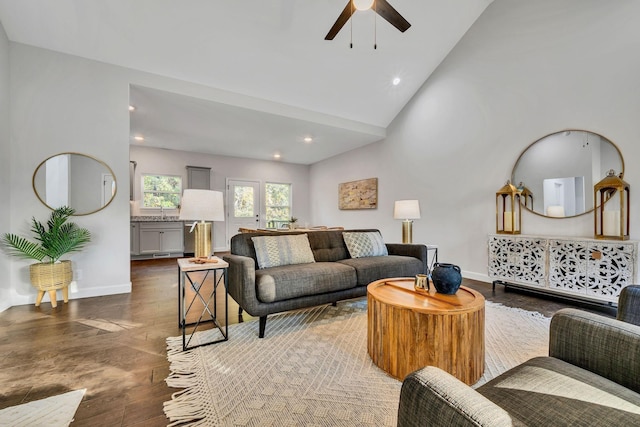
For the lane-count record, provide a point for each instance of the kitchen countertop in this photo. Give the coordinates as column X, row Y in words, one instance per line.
column 155, row 218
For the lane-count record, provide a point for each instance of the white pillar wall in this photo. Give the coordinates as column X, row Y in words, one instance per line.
column 5, row 157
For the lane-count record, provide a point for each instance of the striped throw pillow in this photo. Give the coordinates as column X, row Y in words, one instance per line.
column 274, row 251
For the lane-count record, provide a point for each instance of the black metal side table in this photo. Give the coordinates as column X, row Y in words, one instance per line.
column 192, row 277
column 434, row 258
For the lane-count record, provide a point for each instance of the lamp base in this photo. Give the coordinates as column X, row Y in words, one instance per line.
column 407, row 231
column 203, row 240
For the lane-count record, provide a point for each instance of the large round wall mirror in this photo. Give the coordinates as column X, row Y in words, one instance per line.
column 81, row 182
column 556, row 174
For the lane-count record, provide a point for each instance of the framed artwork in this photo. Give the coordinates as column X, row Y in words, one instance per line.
column 362, row 194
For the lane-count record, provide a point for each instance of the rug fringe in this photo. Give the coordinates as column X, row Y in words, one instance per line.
column 183, row 409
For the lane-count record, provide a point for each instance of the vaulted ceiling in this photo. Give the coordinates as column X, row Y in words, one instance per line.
column 270, row 50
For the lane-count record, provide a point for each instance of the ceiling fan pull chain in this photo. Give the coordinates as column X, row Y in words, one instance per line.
column 375, row 25
column 351, row 40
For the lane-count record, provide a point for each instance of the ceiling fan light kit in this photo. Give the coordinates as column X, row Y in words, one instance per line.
column 381, row 7
column 363, row 4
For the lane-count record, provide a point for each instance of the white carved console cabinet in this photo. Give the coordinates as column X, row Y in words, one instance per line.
column 574, row 267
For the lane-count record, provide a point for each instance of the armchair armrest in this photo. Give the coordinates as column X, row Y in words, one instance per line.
column 604, row 346
column 432, row 397
column 629, row 304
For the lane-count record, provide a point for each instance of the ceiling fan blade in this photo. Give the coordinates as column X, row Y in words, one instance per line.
column 384, row 9
column 342, row 19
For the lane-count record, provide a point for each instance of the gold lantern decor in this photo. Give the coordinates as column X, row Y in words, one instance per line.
column 611, row 198
column 526, row 195
column 508, row 210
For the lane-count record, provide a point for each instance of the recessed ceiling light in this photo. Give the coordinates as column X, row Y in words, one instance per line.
column 396, row 81
column 308, row 139
column 139, row 138
column 131, row 108
column 276, row 156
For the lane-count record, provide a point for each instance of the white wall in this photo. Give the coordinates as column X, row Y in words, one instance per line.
column 61, row 103
column 523, row 70
column 173, row 162
column 5, row 153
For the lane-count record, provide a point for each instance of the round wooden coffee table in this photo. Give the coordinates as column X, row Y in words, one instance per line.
column 408, row 330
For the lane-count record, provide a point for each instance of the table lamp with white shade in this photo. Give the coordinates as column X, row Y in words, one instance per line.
column 201, row 206
column 407, row 210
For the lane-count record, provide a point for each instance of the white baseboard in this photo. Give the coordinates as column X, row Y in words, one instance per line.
column 476, row 276
column 4, row 306
column 80, row 293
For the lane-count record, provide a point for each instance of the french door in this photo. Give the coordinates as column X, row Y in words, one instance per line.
column 243, row 202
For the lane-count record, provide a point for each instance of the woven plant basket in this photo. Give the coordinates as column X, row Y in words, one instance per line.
column 48, row 277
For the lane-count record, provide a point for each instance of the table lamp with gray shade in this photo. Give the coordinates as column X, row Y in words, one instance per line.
column 407, row 210
column 201, row 206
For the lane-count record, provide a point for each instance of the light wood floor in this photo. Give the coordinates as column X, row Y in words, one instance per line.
column 114, row 346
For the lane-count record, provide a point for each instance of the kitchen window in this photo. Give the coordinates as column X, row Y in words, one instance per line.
column 161, row 191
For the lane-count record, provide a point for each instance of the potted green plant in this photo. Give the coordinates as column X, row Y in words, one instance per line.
column 292, row 222
column 58, row 238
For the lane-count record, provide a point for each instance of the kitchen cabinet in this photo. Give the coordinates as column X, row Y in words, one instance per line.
column 132, row 179
column 158, row 239
column 135, row 239
column 198, row 178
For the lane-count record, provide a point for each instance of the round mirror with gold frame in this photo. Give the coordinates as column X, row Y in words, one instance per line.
column 556, row 174
column 77, row 180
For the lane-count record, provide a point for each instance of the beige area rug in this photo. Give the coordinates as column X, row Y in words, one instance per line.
column 312, row 369
column 54, row 411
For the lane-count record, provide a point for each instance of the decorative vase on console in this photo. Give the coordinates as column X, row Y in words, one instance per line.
column 446, row 278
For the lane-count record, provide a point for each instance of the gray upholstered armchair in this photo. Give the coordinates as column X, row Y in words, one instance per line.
column 629, row 304
column 591, row 377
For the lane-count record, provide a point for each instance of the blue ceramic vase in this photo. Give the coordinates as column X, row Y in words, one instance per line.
column 446, row 278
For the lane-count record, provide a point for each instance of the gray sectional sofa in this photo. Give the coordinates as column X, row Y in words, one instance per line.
column 590, row 378
column 327, row 272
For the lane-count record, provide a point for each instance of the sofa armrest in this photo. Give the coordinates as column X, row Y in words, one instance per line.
column 413, row 250
column 432, row 397
column 242, row 281
column 629, row 304
column 602, row 345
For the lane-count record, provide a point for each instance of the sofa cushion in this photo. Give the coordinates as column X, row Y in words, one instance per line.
column 292, row 281
column 274, row 251
column 546, row 391
column 328, row 246
column 364, row 244
column 370, row 269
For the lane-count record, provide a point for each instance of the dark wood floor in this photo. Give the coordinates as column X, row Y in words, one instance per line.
column 114, row 346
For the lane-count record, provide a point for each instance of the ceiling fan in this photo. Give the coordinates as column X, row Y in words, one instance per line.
column 381, row 7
